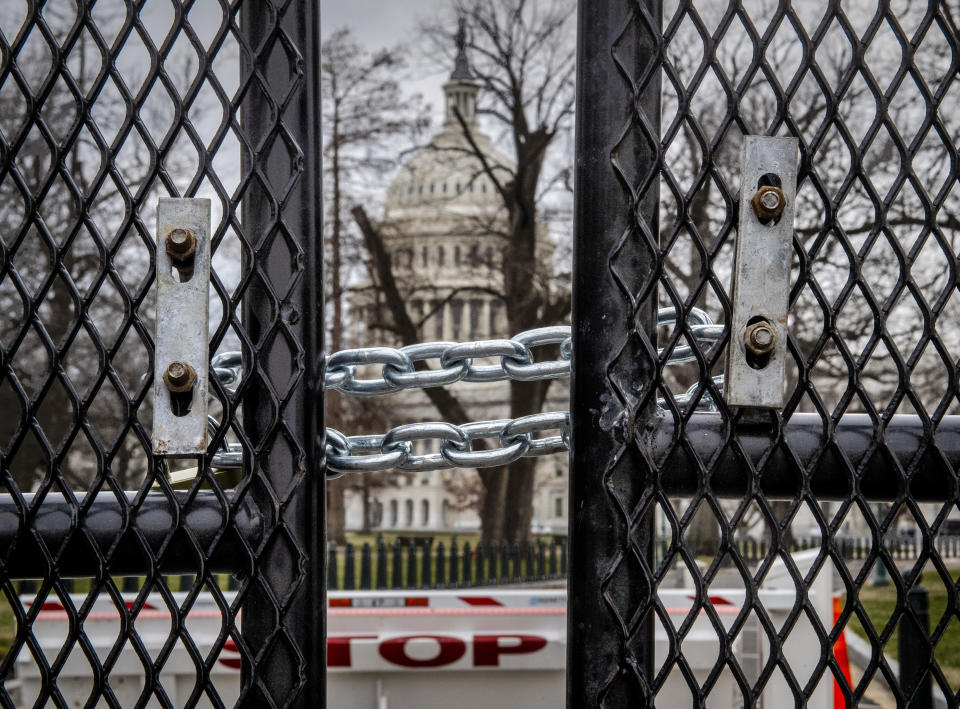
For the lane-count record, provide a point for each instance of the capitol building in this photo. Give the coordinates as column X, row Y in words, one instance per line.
column 443, row 226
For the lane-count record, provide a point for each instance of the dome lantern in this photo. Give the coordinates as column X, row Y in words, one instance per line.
column 461, row 90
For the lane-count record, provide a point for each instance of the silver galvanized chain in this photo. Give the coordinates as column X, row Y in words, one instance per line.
column 456, row 360
column 514, row 438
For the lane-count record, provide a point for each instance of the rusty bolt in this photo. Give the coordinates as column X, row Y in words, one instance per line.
column 768, row 203
column 760, row 338
column 181, row 246
column 179, row 377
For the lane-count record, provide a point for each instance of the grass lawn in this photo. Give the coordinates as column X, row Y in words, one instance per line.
column 7, row 627
column 879, row 603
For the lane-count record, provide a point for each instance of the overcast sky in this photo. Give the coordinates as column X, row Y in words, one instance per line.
column 379, row 24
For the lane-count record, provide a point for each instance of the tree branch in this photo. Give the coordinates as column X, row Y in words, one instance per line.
column 446, row 404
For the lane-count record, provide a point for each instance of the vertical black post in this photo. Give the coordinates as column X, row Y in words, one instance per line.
column 454, row 564
column 481, row 567
column 381, row 564
column 613, row 391
column 397, row 580
column 441, row 573
column 426, row 561
column 365, row 568
column 332, row 566
column 349, row 570
column 284, row 636
column 915, row 652
column 411, row 566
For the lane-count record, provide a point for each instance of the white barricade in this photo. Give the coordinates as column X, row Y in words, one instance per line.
column 467, row 649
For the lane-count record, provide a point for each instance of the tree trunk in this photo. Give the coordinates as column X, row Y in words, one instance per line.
column 518, row 502
column 336, row 259
column 336, row 505
column 780, row 509
column 525, row 398
column 336, row 511
column 493, row 507
column 365, row 490
column 703, row 532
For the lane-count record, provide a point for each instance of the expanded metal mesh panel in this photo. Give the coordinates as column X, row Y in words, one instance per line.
column 866, row 444
column 104, row 108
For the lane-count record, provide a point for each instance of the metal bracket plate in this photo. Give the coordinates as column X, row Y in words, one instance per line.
column 756, row 358
column 183, row 284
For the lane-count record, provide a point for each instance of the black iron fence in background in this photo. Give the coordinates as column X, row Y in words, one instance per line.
column 393, row 565
column 383, row 565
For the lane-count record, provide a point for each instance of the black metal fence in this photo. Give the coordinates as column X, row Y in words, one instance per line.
column 382, row 565
column 667, row 92
column 104, row 108
column 754, row 550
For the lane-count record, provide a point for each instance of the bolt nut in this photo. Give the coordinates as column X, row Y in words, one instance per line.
column 768, row 203
column 179, row 377
column 760, row 338
column 181, row 246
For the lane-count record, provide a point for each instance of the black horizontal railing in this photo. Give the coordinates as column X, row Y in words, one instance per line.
column 786, row 454
column 128, row 538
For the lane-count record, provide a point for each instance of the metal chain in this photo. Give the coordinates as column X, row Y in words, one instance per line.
column 455, row 360
column 515, row 437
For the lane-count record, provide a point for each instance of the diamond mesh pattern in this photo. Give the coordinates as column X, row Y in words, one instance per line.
column 866, row 439
column 104, row 107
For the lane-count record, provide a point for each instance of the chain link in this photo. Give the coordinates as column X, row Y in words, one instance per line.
column 515, row 438
column 517, row 362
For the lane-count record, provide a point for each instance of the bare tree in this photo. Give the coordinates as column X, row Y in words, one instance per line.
column 366, row 114
column 55, row 257
column 523, row 62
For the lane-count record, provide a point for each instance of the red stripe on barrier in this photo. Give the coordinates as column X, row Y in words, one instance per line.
column 487, row 610
column 714, row 600
column 480, row 601
column 113, row 615
column 840, row 653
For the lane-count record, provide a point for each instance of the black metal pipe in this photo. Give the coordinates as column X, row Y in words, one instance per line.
column 132, row 538
column 616, row 225
column 803, row 454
